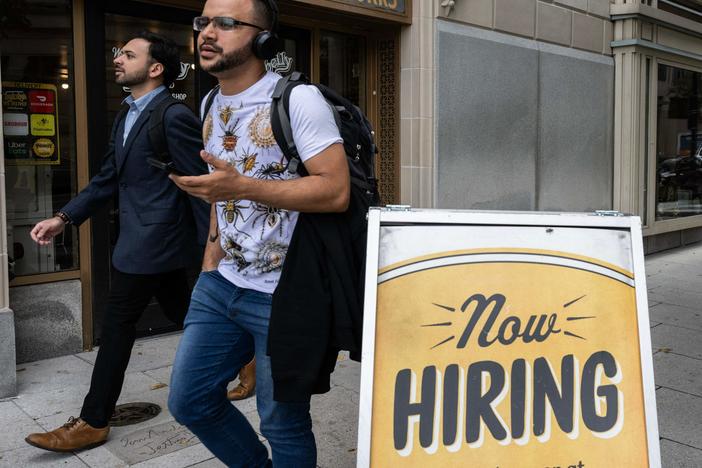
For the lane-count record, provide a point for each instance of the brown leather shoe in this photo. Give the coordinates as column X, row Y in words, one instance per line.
column 76, row 434
column 247, row 382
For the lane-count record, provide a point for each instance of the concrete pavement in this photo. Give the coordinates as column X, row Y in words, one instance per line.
column 674, row 282
column 52, row 390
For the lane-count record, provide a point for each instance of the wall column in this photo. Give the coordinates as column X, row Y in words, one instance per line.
column 8, row 367
column 630, row 113
column 417, row 70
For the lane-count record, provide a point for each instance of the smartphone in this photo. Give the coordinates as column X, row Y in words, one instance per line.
column 165, row 166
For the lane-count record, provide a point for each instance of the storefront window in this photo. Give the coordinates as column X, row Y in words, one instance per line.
column 679, row 143
column 294, row 52
column 36, row 45
column 690, row 9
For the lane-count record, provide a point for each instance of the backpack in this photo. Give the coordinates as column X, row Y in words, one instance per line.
column 354, row 128
column 156, row 129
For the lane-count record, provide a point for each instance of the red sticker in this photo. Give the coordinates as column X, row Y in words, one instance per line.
column 41, row 101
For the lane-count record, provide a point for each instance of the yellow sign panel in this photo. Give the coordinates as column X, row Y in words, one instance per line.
column 42, row 125
column 30, row 123
column 502, row 358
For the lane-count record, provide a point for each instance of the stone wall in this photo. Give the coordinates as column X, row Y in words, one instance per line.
column 521, row 124
column 48, row 320
column 8, row 374
column 580, row 24
column 545, row 30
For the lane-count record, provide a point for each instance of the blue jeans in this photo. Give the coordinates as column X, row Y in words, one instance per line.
column 225, row 326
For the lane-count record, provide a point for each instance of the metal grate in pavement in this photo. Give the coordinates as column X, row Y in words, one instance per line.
column 134, row 413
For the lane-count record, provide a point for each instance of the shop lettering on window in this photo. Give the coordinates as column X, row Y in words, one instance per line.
column 183, row 74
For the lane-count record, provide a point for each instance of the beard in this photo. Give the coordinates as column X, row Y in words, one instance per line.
column 134, row 78
column 229, row 60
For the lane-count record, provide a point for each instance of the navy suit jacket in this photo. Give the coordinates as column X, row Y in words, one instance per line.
column 160, row 226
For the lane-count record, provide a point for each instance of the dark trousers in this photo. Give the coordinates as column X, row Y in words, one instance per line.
column 129, row 296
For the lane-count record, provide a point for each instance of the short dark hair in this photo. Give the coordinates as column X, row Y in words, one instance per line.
column 164, row 51
column 266, row 12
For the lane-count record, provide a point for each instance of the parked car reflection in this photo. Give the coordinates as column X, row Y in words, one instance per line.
column 680, row 186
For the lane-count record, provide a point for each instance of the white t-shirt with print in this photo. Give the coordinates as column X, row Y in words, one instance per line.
column 237, row 129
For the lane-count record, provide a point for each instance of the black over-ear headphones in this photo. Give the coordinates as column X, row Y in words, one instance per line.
column 265, row 44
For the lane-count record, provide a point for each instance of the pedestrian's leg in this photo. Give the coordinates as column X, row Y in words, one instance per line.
column 129, row 296
column 287, row 426
column 212, row 350
column 173, row 295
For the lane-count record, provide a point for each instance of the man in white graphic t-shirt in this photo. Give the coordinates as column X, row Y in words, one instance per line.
column 255, row 207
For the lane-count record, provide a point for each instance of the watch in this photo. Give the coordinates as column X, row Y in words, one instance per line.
column 64, row 217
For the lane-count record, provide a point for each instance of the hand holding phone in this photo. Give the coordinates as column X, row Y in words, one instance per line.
column 169, row 167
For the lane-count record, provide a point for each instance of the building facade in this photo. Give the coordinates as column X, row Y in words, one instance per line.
column 58, row 103
column 549, row 105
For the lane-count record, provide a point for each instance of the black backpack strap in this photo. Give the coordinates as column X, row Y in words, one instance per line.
column 280, row 120
column 208, row 103
column 157, row 131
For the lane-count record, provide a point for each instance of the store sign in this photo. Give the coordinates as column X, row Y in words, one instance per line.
column 395, row 6
column 491, row 339
column 282, row 63
column 30, row 123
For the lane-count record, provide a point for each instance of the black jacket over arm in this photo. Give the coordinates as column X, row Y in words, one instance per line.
column 318, row 305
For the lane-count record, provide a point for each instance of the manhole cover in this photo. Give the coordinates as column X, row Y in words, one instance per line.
column 134, row 413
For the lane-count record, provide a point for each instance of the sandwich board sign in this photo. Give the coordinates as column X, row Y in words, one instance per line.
column 500, row 339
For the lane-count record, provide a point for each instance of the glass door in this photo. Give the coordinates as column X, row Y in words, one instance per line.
column 342, row 65
column 110, row 26
column 118, row 29
column 360, row 62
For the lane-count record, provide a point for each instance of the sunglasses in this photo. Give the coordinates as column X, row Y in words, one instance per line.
column 223, row 23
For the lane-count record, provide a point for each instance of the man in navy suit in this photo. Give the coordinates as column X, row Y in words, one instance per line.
column 159, row 226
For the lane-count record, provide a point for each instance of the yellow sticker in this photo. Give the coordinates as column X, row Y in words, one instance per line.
column 43, row 125
column 44, row 148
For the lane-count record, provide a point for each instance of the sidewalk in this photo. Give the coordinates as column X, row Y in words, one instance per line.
column 674, row 281
column 52, row 390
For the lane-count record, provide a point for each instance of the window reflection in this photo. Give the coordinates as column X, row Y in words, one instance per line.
column 342, row 65
column 294, row 52
column 679, row 143
column 118, row 30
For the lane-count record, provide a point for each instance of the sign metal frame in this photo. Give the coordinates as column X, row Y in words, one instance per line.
column 379, row 217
